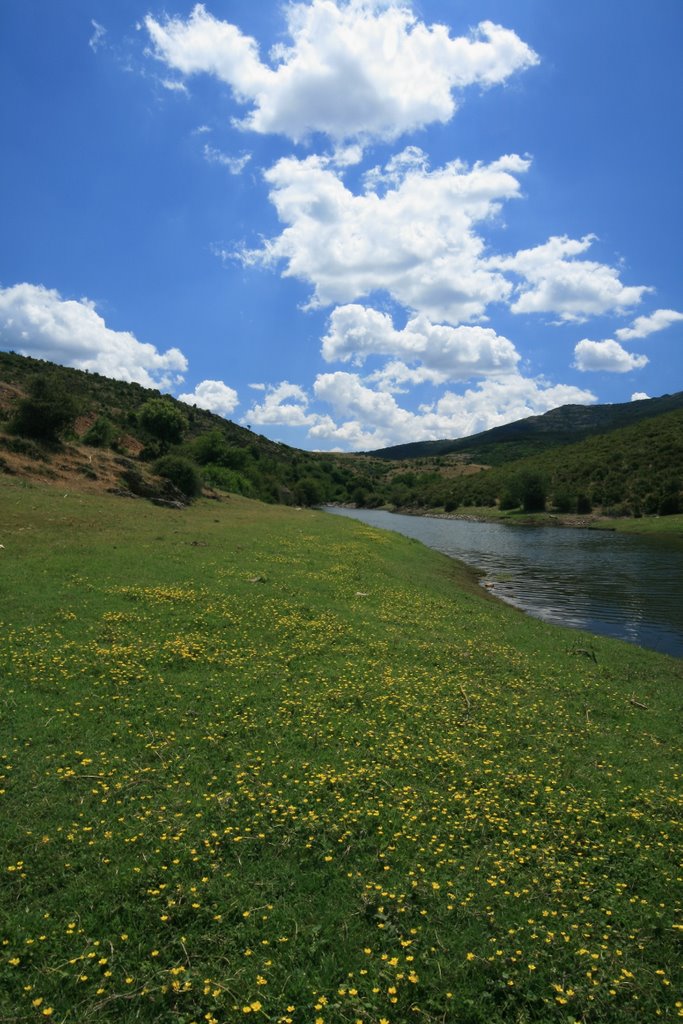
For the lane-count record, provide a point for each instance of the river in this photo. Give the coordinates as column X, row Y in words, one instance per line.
column 619, row 585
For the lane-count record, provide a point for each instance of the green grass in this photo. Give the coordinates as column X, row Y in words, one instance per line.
column 267, row 764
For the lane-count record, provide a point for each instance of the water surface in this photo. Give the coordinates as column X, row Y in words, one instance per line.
column 615, row 584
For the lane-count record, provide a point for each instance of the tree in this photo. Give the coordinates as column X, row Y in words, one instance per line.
column 46, row 413
column 163, row 420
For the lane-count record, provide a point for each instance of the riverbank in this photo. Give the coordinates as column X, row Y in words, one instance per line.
column 672, row 525
column 265, row 761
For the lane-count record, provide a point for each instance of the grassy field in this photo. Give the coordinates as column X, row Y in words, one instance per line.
column 266, row 764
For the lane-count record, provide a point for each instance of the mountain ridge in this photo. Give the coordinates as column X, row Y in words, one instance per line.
column 566, row 424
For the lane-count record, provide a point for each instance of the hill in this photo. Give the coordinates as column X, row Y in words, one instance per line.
column 119, row 436
column 530, row 436
column 635, row 470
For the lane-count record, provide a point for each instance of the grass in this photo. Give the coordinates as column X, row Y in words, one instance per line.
column 271, row 765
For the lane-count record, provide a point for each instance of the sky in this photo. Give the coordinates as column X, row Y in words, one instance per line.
column 347, row 224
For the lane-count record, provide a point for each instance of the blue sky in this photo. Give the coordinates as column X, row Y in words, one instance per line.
column 347, row 223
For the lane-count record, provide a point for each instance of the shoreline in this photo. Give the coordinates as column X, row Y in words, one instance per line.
column 644, row 526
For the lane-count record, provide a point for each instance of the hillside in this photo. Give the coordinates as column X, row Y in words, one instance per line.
column 635, row 470
column 530, row 436
column 110, row 442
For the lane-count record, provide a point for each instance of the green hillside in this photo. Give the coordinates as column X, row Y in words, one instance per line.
column 121, row 436
column 637, row 470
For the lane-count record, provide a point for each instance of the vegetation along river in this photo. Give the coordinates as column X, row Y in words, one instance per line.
column 619, row 585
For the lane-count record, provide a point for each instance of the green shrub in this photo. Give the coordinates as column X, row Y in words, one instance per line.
column 307, row 492
column 583, row 504
column 182, row 473
column 46, row 413
column 101, row 434
column 163, row 420
column 564, row 501
column 509, row 500
column 670, row 505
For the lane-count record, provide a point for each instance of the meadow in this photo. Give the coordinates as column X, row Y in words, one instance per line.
column 266, row 764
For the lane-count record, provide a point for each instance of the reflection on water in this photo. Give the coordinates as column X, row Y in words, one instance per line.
column 620, row 585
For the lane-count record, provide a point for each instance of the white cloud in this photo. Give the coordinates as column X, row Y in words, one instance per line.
column 173, row 85
column 416, row 241
column 235, row 164
column 607, row 356
column 36, row 321
column 363, row 417
column 372, row 419
column 642, row 326
column 557, row 282
column 451, row 353
column 639, row 396
column 284, row 404
column 213, row 395
column 395, row 374
column 356, row 69
column 97, row 37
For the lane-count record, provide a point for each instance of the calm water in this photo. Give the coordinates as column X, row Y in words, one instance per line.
column 615, row 584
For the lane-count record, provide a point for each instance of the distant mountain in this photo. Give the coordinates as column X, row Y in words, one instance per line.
column 536, row 434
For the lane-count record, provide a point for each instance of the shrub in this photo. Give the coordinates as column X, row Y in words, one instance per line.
column 564, row 501
column 533, row 493
column 182, row 473
column 670, row 505
column 213, row 449
column 161, row 418
column 509, row 500
column 583, row 504
column 46, row 413
column 101, row 434
column 307, row 491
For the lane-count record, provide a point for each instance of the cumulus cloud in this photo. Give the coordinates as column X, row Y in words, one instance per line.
column 36, row 321
column 447, row 353
column 284, row 404
column 213, row 395
column 642, row 326
column 491, row 403
column 556, row 282
column 607, row 356
column 362, row 417
column 416, row 241
column 639, row 396
column 356, row 69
